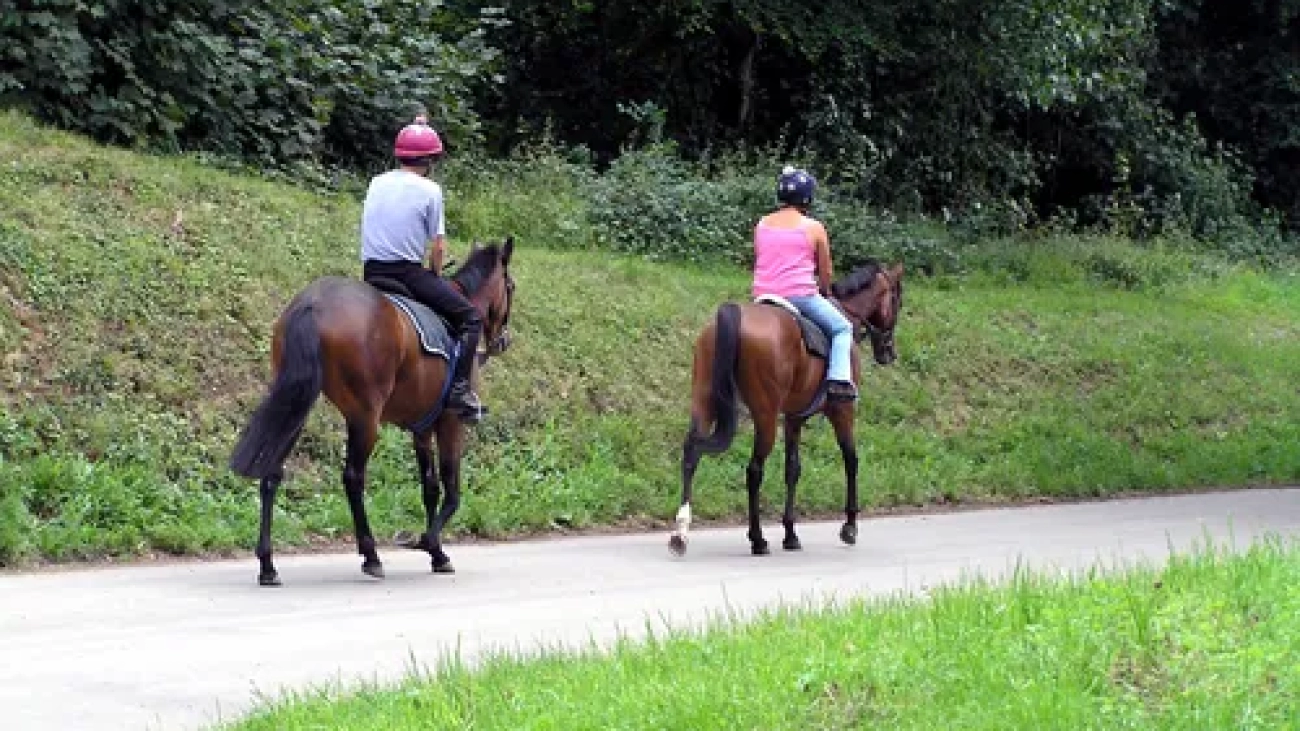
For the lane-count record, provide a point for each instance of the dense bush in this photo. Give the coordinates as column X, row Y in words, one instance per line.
column 653, row 202
column 1083, row 116
column 1103, row 114
column 269, row 82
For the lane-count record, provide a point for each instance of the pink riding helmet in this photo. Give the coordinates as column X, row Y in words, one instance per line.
column 417, row 140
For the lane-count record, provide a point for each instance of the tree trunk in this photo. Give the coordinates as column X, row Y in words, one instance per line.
column 747, row 84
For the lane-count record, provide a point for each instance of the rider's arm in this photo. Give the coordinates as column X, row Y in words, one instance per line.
column 825, row 274
column 437, row 253
column 437, row 233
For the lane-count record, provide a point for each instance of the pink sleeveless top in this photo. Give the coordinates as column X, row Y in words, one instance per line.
column 785, row 262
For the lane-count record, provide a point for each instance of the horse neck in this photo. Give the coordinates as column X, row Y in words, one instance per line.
column 842, row 306
column 861, row 315
column 478, row 299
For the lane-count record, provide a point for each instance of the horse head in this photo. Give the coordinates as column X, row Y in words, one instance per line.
column 871, row 296
column 486, row 281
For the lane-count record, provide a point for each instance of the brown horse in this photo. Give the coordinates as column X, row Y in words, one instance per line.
column 343, row 338
column 757, row 350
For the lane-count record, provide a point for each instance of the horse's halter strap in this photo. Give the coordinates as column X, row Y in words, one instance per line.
column 502, row 340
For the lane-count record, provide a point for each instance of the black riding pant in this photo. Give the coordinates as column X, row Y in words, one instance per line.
column 432, row 290
column 436, row 292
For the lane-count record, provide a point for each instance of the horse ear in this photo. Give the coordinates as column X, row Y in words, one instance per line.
column 896, row 271
column 507, row 250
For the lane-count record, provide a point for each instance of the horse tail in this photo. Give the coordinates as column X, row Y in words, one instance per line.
column 278, row 421
column 722, row 392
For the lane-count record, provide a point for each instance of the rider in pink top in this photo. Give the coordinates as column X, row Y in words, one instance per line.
column 793, row 260
column 785, row 261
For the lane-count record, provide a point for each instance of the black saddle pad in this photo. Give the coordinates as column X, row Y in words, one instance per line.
column 435, row 334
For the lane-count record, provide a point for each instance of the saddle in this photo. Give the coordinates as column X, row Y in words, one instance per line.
column 814, row 338
column 435, row 334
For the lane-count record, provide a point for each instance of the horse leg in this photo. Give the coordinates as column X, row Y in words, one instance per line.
column 841, row 418
column 690, row 461
column 793, row 427
column 361, row 443
column 764, row 439
column 451, row 446
column 268, row 576
column 429, row 490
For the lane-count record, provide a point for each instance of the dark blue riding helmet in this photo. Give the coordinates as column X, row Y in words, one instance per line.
column 795, row 187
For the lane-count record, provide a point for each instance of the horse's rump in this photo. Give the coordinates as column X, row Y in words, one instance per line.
column 753, row 354
column 774, row 341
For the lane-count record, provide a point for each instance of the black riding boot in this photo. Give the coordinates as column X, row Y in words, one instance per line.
column 462, row 398
column 841, row 391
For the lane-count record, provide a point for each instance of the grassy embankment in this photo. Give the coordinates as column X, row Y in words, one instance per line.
column 1207, row 642
column 131, row 350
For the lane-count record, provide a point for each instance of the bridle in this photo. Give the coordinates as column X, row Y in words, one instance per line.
column 502, row 340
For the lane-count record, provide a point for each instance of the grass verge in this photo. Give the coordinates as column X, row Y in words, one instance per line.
column 1207, row 641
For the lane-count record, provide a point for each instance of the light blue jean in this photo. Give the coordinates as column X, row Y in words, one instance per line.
column 837, row 327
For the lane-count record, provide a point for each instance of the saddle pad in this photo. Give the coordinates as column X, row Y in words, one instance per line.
column 435, row 336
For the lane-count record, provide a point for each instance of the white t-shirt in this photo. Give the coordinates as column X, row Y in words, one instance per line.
column 401, row 215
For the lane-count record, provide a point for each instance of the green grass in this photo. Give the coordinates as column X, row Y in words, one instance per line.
column 130, row 355
column 1207, row 642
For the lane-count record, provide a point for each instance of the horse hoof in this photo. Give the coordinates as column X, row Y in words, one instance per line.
column 444, row 567
column 271, row 579
column 849, row 534
column 792, row 544
column 760, row 549
column 374, row 569
column 677, row 545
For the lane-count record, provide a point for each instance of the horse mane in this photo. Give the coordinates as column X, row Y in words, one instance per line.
column 476, row 270
column 857, row 280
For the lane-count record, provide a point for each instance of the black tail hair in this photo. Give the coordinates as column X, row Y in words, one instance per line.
column 278, row 421
column 726, row 351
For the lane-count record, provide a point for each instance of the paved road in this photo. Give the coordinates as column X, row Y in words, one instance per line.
column 181, row 646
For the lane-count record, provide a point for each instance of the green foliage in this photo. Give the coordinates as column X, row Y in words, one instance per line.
column 16, row 523
column 652, row 202
column 1065, row 52
column 1169, row 181
column 1232, row 68
column 270, row 82
column 1000, row 118
column 1125, row 116
column 541, row 193
column 1207, row 640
